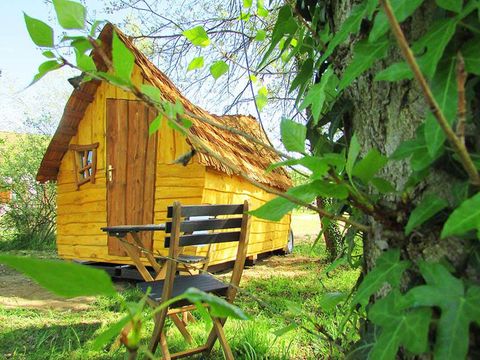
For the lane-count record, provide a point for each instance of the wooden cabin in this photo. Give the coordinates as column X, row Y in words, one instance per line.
column 109, row 171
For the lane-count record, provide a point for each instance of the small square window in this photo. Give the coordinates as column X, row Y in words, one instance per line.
column 85, row 162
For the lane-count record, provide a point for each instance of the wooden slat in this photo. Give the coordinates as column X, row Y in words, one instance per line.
column 84, row 96
column 117, row 130
column 190, row 226
column 149, row 175
column 218, row 327
column 189, row 352
column 204, row 239
column 135, row 164
column 181, row 327
column 75, row 114
column 208, row 210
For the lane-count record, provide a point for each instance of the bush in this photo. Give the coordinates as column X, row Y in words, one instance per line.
column 27, row 220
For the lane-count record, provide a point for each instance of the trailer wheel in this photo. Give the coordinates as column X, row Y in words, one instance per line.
column 290, row 243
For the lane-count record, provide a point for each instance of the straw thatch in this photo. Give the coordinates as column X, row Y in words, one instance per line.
column 249, row 157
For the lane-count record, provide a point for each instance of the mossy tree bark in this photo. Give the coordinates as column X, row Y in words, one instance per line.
column 383, row 115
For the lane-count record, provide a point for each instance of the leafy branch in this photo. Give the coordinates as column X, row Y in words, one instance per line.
column 456, row 142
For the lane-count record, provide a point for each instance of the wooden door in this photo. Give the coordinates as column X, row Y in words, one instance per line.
column 131, row 155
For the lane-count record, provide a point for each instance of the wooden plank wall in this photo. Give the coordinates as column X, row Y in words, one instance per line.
column 264, row 235
column 175, row 182
column 81, row 213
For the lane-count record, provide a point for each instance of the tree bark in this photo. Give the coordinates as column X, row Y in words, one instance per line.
column 384, row 115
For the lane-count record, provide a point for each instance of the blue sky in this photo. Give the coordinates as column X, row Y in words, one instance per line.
column 19, row 60
column 18, row 57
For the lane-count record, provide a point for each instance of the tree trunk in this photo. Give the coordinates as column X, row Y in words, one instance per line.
column 331, row 234
column 385, row 114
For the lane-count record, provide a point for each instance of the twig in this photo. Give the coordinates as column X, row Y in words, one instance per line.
column 201, row 146
column 462, row 106
column 458, row 146
column 250, row 83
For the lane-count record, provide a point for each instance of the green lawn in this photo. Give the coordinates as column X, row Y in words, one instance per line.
column 288, row 287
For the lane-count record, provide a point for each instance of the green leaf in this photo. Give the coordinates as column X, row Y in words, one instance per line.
column 48, row 54
column 261, row 11
column 316, row 95
column 350, row 26
column 353, row 152
column 113, row 79
column 70, row 14
column 218, row 307
column 331, row 190
column 196, row 63
column 277, row 208
column 293, row 135
column 318, row 166
column 444, row 89
column 152, row 92
column 262, row 98
column 81, row 44
column 452, row 5
column 402, row 10
column 44, row 69
column 111, row 332
column 471, row 55
column 285, row 25
column 464, row 218
column 366, row 168
column 247, row 3
column 399, row 327
column 382, row 185
column 197, row 36
column 218, row 68
column 155, row 125
column 123, row 59
column 260, row 35
column 459, row 307
column 388, row 269
column 62, row 278
column 304, row 75
column 435, row 42
column 284, row 330
column 395, row 72
column 364, row 55
column 407, row 148
column 40, row 33
column 428, row 207
column 85, row 62
column 328, row 301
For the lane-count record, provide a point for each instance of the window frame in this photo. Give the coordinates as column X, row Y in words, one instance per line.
column 80, row 152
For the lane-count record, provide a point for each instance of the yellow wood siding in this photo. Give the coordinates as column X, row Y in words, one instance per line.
column 265, row 236
column 81, row 213
column 82, row 238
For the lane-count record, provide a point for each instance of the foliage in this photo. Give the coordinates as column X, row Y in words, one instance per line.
column 28, row 219
column 58, row 333
column 341, row 168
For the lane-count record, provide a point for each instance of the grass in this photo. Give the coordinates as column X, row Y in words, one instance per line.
column 289, row 288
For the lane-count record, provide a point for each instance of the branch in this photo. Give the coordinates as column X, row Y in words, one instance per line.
column 462, row 105
column 457, row 144
column 203, row 147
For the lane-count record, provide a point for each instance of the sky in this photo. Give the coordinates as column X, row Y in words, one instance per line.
column 20, row 58
column 19, row 61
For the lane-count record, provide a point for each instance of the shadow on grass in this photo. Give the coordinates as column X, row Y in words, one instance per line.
column 49, row 342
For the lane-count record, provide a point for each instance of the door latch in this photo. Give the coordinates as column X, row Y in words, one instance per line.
column 110, row 173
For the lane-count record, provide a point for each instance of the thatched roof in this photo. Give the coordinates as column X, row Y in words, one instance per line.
column 251, row 158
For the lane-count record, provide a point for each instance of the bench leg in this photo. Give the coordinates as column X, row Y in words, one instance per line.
column 218, row 329
column 181, row 327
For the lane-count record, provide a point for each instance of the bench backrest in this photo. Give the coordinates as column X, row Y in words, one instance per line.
column 209, row 229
